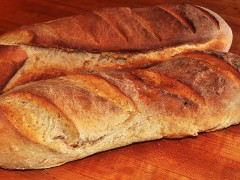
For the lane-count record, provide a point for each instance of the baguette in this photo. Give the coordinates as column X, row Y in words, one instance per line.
column 105, row 39
column 50, row 122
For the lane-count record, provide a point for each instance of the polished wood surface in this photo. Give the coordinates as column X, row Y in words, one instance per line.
column 214, row 155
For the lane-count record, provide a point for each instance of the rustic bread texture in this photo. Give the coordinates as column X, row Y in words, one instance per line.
column 127, row 29
column 51, row 122
column 114, row 38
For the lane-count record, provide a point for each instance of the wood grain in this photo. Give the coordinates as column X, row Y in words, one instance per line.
column 212, row 155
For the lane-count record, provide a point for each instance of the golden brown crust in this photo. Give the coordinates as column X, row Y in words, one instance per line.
column 128, row 29
column 43, row 63
column 18, row 151
column 176, row 98
column 169, row 84
column 217, row 64
column 12, row 59
column 113, row 38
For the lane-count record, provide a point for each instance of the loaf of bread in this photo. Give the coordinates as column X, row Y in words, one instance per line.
column 50, row 122
column 114, row 38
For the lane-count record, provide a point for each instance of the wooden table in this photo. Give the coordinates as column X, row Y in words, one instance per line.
column 213, row 155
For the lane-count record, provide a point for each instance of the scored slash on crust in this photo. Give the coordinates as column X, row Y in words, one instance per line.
column 144, row 24
column 183, row 20
column 209, row 16
column 107, row 21
column 217, row 64
column 169, row 84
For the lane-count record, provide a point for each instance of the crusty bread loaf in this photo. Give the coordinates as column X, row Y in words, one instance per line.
column 50, row 122
column 114, row 38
